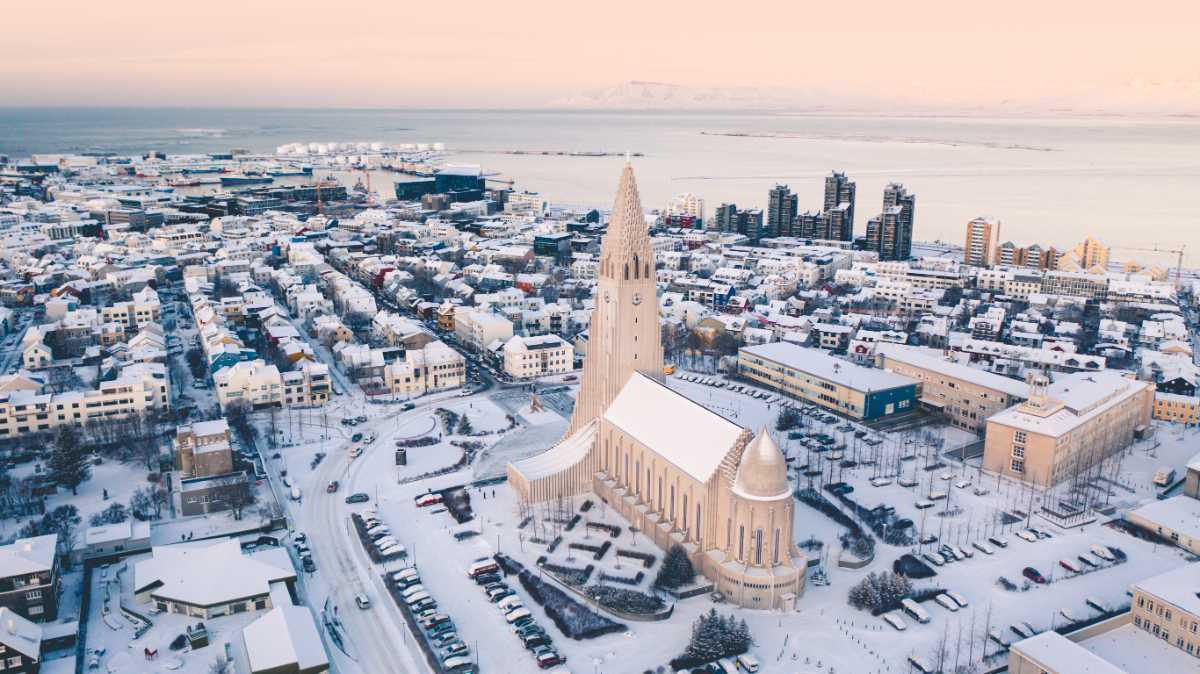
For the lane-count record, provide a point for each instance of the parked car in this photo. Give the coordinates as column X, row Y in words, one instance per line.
column 358, row 497
column 428, row 499
column 998, row 542
column 1034, row 575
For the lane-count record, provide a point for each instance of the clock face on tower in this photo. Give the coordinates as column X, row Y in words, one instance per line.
column 637, row 299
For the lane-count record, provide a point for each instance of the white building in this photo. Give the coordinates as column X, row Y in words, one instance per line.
column 528, row 357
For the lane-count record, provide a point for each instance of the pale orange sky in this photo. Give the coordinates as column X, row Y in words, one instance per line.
column 528, row 52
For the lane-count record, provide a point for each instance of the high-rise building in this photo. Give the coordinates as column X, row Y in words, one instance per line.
column 750, row 223
column 890, row 232
column 981, row 246
column 781, row 211
column 725, row 219
column 840, row 190
column 687, row 204
column 809, row 225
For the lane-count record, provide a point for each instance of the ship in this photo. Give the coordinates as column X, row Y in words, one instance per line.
column 290, row 171
column 246, row 179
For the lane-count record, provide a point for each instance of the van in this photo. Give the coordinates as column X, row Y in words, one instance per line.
column 516, row 614
column 481, row 567
column 747, row 663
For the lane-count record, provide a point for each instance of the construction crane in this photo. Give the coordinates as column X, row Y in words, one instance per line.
column 1178, row 252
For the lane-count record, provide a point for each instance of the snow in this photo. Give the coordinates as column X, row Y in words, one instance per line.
column 1133, row 650
column 209, row 573
column 695, row 440
column 1180, row 514
column 931, row 360
column 1082, row 395
column 1178, row 587
column 1055, row 653
column 28, row 555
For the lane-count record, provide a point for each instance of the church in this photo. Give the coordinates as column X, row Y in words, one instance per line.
column 679, row 472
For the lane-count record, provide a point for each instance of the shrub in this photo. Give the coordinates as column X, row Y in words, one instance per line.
column 714, row 636
column 676, row 570
column 624, row 600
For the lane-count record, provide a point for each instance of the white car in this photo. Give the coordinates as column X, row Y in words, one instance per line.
column 1026, row 536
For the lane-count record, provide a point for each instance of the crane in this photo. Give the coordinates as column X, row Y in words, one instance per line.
column 1178, row 252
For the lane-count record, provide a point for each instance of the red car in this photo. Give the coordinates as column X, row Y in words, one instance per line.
column 332, row 487
column 1033, row 574
column 428, row 500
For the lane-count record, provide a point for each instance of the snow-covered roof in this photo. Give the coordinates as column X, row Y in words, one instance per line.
column 283, row 637
column 1180, row 514
column 1180, row 587
column 928, row 361
column 570, row 451
column 820, row 364
column 19, row 634
column 1073, row 400
column 1053, row 652
column 28, row 555
column 208, row 573
column 690, row 436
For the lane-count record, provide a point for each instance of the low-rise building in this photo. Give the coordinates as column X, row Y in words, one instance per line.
column 1175, row 519
column 1181, row 409
column 965, row 395
column 1079, row 420
column 834, row 384
column 29, row 577
column 208, row 579
column 528, row 357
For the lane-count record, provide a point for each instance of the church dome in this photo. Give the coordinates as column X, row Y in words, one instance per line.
column 762, row 473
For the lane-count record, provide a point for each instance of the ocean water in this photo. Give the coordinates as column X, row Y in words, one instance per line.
column 1131, row 182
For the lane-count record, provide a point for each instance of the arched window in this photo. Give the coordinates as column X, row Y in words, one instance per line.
column 697, row 522
column 626, row 271
column 685, row 512
column 672, row 515
column 758, row 542
column 775, row 547
column 660, row 499
column 636, row 266
column 741, row 542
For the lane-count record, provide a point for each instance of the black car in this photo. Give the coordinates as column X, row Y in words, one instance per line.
column 358, row 497
column 309, row 565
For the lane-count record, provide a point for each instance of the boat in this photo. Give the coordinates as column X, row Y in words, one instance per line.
column 290, row 171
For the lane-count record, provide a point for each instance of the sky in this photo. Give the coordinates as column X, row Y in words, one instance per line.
column 526, row 53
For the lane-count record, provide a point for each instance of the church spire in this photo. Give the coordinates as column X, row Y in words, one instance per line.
column 623, row 336
column 626, row 251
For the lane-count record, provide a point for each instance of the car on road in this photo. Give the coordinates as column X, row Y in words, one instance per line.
column 331, row 487
column 1034, row 575
column 362, row 601
column 358, row 497
column 308, row 564
column 408, row 406
column 362, row 419
column 356, row 437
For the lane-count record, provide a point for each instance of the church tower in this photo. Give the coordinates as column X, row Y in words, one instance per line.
column 624, row 335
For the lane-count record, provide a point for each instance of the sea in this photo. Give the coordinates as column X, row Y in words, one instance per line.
column 1132, row 182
